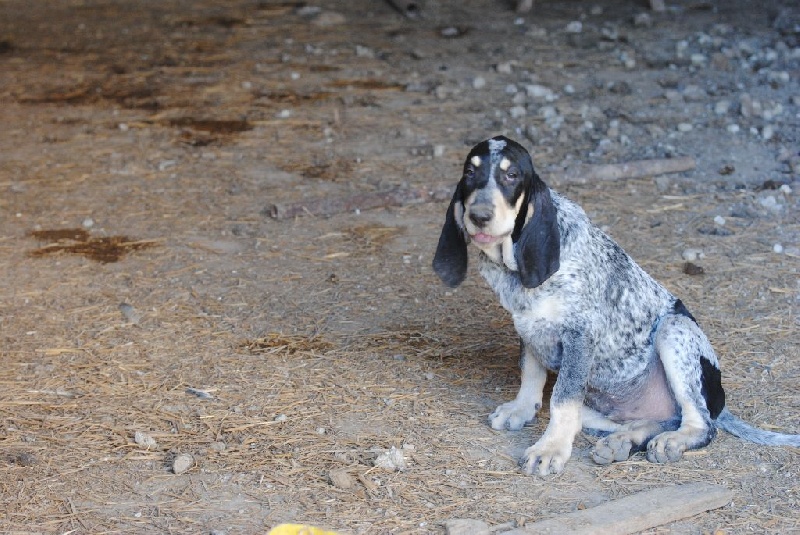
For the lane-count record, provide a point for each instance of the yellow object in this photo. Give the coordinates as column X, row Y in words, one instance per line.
column 299, row 529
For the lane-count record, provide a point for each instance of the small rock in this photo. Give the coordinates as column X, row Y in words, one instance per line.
column 693, row 269
column 720, row 61
column 364, row 52
column 663, row 183
column 218, row 446
column 575, row 26
column 181, row 463
column 280, row 418
column 466, row 526
column 722, row 107
column 540, row 91
column 694, row 93
column 673, row 95
column 506, row 67
column 777, row 248
column 129, row 313
column 715, row 230
column 517, row 111
column 698, row 59
column 88, row 222
column 733, row 128
column 479, row 82
column 24, row 459
column 620, row 87
column 144, row 440
column 685, row 127
column 341, row 479
column 768, row 132
column 643, row 20
column 691, row 255
column 749, row 107
column 451, row 32
column 166, row 164
column 719, row 220
column 770, row 203
column 391, row 460
column 328, row 18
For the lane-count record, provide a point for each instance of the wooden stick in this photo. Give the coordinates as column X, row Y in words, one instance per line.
column 326, row 206
column 631, row 514
column 581, row 174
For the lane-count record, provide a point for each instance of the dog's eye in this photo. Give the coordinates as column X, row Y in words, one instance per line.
column 511, row 177
column 469, row 172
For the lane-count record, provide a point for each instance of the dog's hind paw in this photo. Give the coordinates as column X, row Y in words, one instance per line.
column 667, row 447
column 613, row 448
column 513, row 415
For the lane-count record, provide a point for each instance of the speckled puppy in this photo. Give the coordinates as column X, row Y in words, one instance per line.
column 633, row 366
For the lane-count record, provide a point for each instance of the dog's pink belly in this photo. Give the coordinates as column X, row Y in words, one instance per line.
column 649, row 399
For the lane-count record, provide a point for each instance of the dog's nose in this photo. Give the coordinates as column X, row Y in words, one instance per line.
column 480, row 215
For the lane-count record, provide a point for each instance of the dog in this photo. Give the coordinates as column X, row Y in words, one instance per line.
column 633, row 366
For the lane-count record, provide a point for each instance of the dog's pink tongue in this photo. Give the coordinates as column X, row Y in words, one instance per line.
column 483, row 238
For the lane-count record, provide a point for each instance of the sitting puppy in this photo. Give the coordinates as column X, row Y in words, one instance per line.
column 633, row 366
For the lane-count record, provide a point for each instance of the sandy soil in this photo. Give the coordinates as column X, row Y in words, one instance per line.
column 152, row 307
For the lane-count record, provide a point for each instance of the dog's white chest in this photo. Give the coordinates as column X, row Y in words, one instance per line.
column 525, row 304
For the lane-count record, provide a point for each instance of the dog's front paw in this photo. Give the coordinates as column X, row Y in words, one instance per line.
column 667, row 447
column 546, row 457
column 513, row 415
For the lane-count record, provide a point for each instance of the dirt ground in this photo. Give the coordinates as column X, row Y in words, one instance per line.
column 151, row 307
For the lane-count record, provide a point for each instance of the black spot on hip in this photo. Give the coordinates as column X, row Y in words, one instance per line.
column 711, row 387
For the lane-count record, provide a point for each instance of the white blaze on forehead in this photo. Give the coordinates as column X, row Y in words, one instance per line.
column 496, row 145
column 505, row 163
column 475, row 160
column 495, row 148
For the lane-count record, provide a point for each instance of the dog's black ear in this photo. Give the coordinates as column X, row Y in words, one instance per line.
column 538, row 249
column 450, row 261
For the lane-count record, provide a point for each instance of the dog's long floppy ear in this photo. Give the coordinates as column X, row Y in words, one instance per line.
column 538, row 249
column 450, row 261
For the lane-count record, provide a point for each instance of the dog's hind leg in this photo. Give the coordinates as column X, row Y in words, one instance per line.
column 692, row 373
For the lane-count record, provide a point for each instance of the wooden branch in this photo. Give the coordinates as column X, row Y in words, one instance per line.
column 583, row 174
column 631, row 514
column 327, row 206
column 400, row 196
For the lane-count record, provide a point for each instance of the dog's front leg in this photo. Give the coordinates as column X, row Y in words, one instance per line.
column 515, row 414
column 552, row 451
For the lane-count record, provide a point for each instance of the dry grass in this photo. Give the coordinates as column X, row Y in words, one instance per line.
column 286, row 356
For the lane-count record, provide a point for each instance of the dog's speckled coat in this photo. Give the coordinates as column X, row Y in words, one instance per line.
column 633, row 365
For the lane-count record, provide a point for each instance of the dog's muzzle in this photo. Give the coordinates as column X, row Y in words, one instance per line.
column 481, row 214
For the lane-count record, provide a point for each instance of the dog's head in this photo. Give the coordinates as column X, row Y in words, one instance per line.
column 500, row 197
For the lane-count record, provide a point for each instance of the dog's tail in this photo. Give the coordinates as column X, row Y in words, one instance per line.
column 739, row 428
